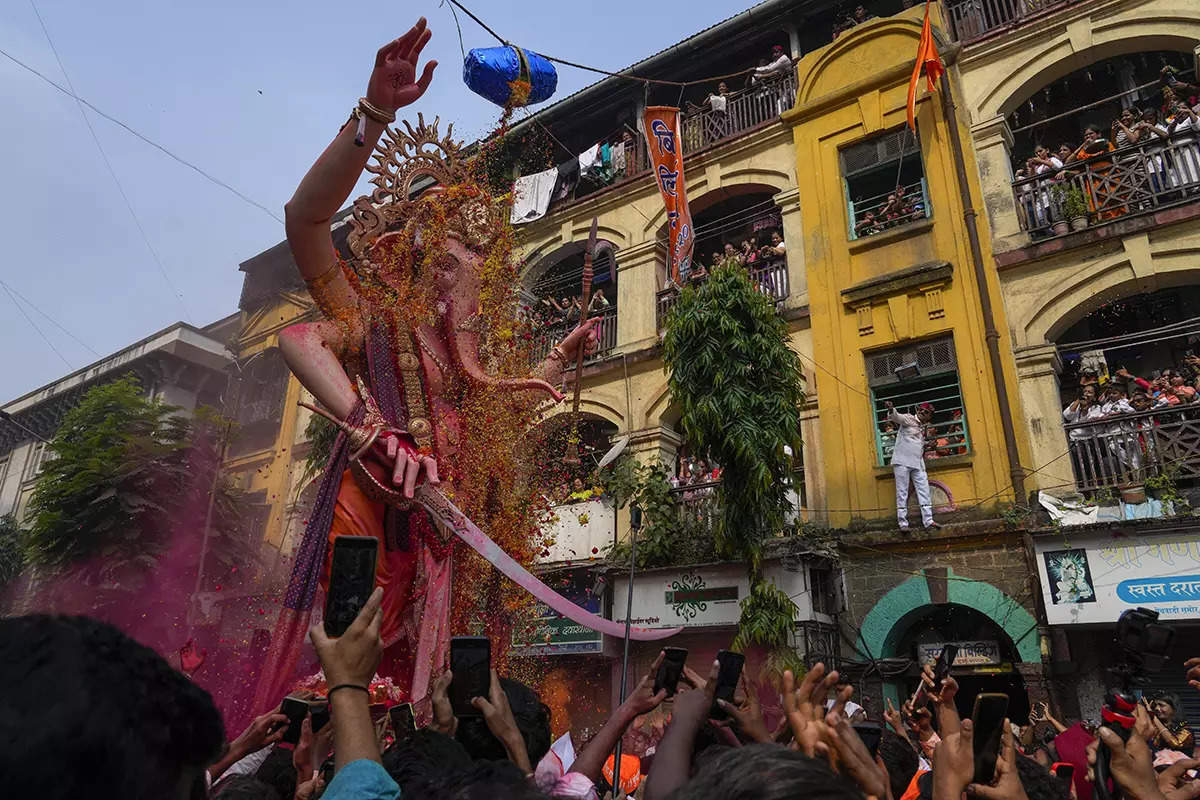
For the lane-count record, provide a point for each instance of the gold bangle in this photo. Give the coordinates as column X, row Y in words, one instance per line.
column 558, row 354
column 380, row 115
column 325, row 278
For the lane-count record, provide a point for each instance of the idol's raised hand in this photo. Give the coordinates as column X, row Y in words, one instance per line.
column 394, row 83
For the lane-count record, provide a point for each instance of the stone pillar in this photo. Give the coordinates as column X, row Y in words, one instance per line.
column 1038, row 368
column 993, row 151
column 793, row 40
column 638, row 268
column 788, row 202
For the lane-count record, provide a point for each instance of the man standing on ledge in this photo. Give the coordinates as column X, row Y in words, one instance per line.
column 908, row 460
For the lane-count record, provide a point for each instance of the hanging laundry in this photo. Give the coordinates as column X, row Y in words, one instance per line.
column 589, row 159
column 618, row 158
column 568, row 178
column 531, row 196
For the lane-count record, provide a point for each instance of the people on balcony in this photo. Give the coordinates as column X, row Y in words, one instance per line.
column 599, row 302
column 779, row 64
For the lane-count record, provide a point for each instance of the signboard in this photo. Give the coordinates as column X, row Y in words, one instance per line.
column 699, row 597
column 1092, row 578
column 977, row 653
column 552, row 634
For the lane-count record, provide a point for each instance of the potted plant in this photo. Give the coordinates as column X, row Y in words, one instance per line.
column 1076, row 209
column 1058, row 195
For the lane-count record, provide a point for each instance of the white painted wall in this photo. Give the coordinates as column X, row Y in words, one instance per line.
column 577, row 529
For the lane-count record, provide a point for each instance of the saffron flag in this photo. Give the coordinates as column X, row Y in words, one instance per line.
column 928, row 60
column 666, row 162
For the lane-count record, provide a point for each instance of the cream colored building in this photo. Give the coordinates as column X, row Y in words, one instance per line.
column 1051, row 283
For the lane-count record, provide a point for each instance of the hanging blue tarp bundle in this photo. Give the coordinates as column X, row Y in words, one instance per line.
column 498, row 72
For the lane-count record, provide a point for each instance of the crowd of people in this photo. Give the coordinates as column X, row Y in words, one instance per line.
column 567, row 310
column 901, row 206
column 1125, row 444
column 89, row 712
column 1146, row 156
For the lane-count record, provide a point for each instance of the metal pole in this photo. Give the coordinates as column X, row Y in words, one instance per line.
column 635, row 522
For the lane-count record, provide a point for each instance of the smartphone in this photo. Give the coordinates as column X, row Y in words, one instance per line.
column 471, row 663
column 351, row 581
column 1063, row 770
column 728, row 672
column 320, row 716
column 404, row 724
column 988, row 718
column 870, row 733
column 941, row 667
column 295, row 710
column 670, row 670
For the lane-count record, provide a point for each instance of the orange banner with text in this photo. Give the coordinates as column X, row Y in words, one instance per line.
column 666, row 162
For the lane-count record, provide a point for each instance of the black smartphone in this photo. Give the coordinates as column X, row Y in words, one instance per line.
column 870, row 733
column 670, row 670
column 471, row 663
column 404, row 724
column 295, row 710
column 351, row 581
column 988, row 718
column 1063, row 771
column 320, row 715
column 728, row 672
column 941, row 667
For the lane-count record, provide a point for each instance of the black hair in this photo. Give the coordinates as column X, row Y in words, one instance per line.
column 484, row 780
column 279, row 772
column 83, row 706
column 243, row 787
column 533, row 720
column 1039, row 783
column 900, row 759
column 422, row 759
column 766, row 772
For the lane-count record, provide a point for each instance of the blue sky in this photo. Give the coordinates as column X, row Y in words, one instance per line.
column 250, row 91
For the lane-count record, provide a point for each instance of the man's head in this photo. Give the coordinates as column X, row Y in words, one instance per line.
column 776, row 238
column 777, row 50
column 860, row 12
column 925, row 412
column 765, row 772
column 85, row 707
column 532, row 718
column 426, row 757
column 1140, row 401
column 900, row 759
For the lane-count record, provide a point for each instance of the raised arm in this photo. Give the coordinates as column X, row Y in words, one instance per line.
column 328, row 184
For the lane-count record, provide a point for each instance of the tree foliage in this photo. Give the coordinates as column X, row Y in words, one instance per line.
column 740, row 388
column 739, row 385
column 123, row 473
column 12, row 555
column 667, row 536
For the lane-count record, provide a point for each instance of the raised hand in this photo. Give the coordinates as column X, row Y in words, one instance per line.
column 643, row 698
column 1193, row 665
column 747, row 715
column 353, row 657
column 394, row 83
column 498, row 716
column 805, row 708
column 854, row 759
column 444, row 720
column 1006, row 784
column 584, row 334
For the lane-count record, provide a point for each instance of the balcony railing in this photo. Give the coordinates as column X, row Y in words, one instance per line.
column 744, row 111
column 547, row 336
column 975, row 19
column 885, row 211
column 770, row 277
column 1124, row 450
column 1104, row 187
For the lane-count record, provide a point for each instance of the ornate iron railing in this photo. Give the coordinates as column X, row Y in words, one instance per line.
column 1109, row 185
column 547, row 336
column 771, row 278
column 1124, row 450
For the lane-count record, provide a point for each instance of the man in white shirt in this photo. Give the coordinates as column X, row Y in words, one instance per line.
column 908, row 462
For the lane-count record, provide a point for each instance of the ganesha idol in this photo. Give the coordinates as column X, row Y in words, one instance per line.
column 395, row 360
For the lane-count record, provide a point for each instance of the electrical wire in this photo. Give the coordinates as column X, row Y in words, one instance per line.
column 33, row 325
column 49, row 318
column 576, row 65
column 143, row 137
column 112, row 172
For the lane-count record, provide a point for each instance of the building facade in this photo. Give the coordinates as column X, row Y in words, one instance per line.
column 181, row 365
column 1104, row 284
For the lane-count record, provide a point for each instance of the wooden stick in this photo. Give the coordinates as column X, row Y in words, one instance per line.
column 572, row 456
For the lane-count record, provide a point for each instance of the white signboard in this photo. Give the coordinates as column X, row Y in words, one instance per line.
column 1092, row 578
column 701, row 597
column 979, row 653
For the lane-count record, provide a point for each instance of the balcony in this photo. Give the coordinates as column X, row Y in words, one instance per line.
column 770, row 277
column 547, row 336
column 972, row 20
column 1132, row 180
column 745, row 111
column 1125, row 451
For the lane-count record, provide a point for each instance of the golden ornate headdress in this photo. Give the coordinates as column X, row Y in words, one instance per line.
column 401, row 162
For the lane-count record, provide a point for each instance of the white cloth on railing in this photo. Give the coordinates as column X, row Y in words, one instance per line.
column 531, row 196
column 589, row 159
column 718, row 102
column 618, row 157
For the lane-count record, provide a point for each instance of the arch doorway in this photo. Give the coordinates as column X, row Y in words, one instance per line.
column 987, row 662
column 552, row 289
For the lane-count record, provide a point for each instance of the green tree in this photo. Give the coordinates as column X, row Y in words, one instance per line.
column 123, row 474
column 739, row 386
column 12, row 555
